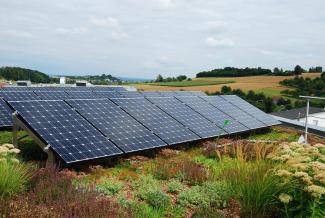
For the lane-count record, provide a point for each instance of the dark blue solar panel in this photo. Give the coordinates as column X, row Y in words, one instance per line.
column 82, row 95
column 108, row 94
column 168, row 94
column 69, row 134
column 127, row 133
column 15, row 88
column 117, row 88
column 213, row 114
column 52, row 95
column 151, row 94
column 162, row 124
column 5, row 114
column 18, row 96
column 234, row 112
column 187, row 116
column 131, row 94
column 250, row 109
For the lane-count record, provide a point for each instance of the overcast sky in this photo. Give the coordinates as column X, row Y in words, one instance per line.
column 141, row 38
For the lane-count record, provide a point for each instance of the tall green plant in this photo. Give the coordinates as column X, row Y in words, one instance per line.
column 255, row 186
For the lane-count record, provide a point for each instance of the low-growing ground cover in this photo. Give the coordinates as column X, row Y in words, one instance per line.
column 239, row 179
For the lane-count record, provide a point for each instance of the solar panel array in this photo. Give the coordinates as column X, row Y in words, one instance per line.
column 88, row 123
column 5, row 114
column 188, row 117
column 236, row 113
column 213, row 114
column 250, row 109
column 68, row 133
column 155, row 119
column 127, row 133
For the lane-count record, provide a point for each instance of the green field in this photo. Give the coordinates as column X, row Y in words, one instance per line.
column 191, row 83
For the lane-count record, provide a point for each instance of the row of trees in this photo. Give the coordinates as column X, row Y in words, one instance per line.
column 305, row 86
column 17, row 73
column 238, row 72
column 259, row 100
column 171, row 79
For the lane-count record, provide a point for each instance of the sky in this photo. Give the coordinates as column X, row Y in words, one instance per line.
column 143, row 38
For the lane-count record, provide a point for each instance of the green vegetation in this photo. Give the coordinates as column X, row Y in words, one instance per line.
column 240, row 178
column 14, row 175
column 277, row 134
column 190, row 83
column 104, row 79
column 238, row 72
column 18, row 73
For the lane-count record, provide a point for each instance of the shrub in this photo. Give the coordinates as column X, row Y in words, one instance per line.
column 53, row 195
column 304, row 171
column 14, row 175
column 110, row 187
column 174, row 186
column 207, row 212
column 158, row 199
column 181, row 168
column 255, row 186
column 210, row 194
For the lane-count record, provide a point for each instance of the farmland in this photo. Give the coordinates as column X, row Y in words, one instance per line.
column 242, row 179
column 192, row 83
column 256, row 83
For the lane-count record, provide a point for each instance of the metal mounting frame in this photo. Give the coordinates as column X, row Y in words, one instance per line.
column 20, row 125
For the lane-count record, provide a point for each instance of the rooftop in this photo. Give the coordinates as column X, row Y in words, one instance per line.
column 297, row 112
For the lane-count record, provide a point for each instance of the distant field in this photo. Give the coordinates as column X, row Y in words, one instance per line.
column 257, row 83
column 192, row 83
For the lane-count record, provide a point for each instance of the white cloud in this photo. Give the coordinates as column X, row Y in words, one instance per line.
column 166, row 3
column 267, row 52
column 70, row 31
column 15, row 34
column 219, row 42
column 108, row 22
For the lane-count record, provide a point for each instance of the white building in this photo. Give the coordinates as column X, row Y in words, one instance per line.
column 316, row 115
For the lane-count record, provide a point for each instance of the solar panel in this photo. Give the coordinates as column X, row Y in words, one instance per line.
column 188, row 117
column 5, row 114
column 151, row 94
column 162, row 124
column 183, row 93
column 18, row 96
column 82, row 95
column 197, row 93
column 15, row 88
column 69, row 134
column 213, row 114
column 167, row 94
column 250, row 109
column 52, row 95
column 117, row 88
column 45, row 88
column 108, row 94
column 128, row 134
column 131, row 94
column 234, row 112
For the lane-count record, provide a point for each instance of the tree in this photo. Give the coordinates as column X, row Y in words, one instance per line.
column 317, row 69
column 276, row 70
column 226, row 90
column 181, row 77
column 159, row 78
column 298, row 70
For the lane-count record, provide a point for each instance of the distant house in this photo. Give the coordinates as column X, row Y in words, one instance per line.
column 316, row 115
column 82, row 83
column 24, row 83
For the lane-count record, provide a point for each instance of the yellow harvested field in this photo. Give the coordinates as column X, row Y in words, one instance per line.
column 244, row 83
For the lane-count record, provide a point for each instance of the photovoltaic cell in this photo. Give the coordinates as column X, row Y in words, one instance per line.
column 69, row 134
column 82, row 95
column 187, row 116
column 151, row 94
column 15, row 89
column 127, row 133
column 18, row 96
column 108, row 94
column 117, row 88
column 213, row 114
column 250, row 109
column 234, row 112
column 52, row 95
column 131, row 94
column 162, row 124
column 5, row 114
